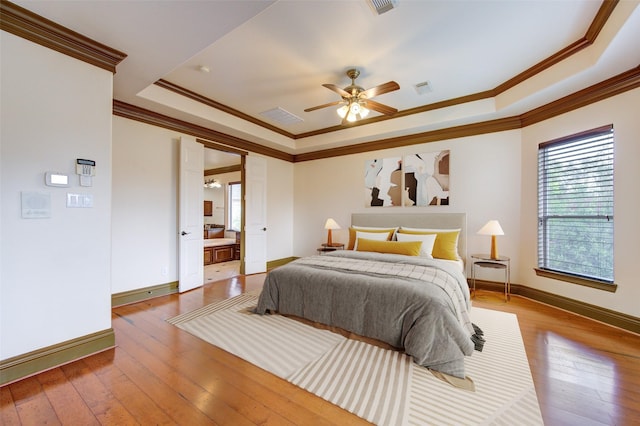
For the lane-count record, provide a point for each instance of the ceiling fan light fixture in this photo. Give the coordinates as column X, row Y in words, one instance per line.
column 212, row 183
column 342, row 111
column 364, row 112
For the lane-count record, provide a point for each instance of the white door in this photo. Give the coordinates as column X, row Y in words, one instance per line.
column 255, row 229
column 191, row 219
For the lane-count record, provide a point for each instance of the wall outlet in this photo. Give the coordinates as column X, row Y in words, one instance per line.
column 164, row 271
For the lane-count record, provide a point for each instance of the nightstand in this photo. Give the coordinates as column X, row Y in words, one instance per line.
column 485, row 261
column 325, row 248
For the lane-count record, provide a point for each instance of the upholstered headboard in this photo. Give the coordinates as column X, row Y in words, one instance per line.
column 418, row 220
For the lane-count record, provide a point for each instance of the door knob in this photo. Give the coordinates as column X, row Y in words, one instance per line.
column 264, row 229
column 185, row 233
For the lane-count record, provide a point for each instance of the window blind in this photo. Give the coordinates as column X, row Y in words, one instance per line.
column 575, row 205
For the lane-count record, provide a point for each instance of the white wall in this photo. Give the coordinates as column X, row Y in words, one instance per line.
column 145, row 205
column 485, row 184
column 55, row 272
column 145, row 202
column 623, row 111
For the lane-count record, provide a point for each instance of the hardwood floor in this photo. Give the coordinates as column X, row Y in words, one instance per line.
column 585, row 373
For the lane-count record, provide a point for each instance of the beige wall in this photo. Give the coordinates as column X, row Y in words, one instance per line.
column 55, row 273
column 485, row 184
column 145, row 203
column 623, row 111
column 494, row 176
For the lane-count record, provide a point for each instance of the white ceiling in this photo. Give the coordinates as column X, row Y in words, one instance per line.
column 266, row 54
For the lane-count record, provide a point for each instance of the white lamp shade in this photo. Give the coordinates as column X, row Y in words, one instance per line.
column 491, row 228
column 331, row 224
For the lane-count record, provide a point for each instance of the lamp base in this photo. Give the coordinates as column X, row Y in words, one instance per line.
column 494, row 248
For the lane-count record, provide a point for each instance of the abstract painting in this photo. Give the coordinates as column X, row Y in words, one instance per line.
column 414, row 180
column 426, row 179
column 383, row 182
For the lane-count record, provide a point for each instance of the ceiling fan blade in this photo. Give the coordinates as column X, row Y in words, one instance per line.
column 337, row 89
column 381, row 108
column 381, row 89
column 323, row 106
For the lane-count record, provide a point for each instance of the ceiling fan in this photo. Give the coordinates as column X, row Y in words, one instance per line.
column 356, row 101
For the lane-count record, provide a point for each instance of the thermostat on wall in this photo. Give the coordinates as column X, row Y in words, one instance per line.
column 56, row 179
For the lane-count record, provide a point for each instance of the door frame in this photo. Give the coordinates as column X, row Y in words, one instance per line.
column 243, row 154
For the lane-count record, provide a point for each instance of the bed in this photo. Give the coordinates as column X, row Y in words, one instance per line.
column 217, row 248
column 411, row 302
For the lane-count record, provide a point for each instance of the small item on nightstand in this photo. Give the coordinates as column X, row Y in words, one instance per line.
column 329, row 225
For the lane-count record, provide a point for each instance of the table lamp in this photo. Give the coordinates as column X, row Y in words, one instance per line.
column 492, row 228
column 329, row 225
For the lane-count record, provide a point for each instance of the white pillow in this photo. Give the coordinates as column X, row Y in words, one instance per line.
column 431, row 229
column 378, row 236
column 427, row 242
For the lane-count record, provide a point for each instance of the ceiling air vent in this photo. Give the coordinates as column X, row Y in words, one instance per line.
column 281, row 116
column 381, row 6
column 424, row 87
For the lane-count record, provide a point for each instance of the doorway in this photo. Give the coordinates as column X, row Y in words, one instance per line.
column 222, row 226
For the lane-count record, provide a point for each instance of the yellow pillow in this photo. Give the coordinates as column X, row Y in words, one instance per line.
column 352, row 234
column 408, row 248
column 446, row 245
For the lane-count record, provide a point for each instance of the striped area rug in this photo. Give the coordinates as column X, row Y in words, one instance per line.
column 381, row 386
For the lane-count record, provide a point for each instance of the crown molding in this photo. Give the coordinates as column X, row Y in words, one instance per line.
column 491, row 126
column 26, row 24
column 217, row 105
column 603, row 14
column 133, row 112
column 620, row 83
column 613, row 86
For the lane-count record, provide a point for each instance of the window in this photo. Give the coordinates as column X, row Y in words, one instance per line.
column 575, row 206
column 235, row 205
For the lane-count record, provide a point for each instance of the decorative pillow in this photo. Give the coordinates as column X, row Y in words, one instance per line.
column 377, row 236
column 407, row 248
column 446, row 244
column 353, row 229
column 427, row 240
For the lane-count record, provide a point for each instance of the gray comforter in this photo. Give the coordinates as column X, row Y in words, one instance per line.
column 412, row 303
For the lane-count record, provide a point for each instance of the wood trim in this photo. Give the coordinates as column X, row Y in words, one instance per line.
column 220, row 170
column 598, row 313
column 26, row 24
column 21, row 366
column 220, row 147
column 132, row 296
column 217, row 105
column 601, row 18
column 579, row 135
column 279, row 262
column 491, row 126
column 155, row 119
column 605, row 11
column 576, row 280
column 620, row 83
column 406, row 112
column 603, row 14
